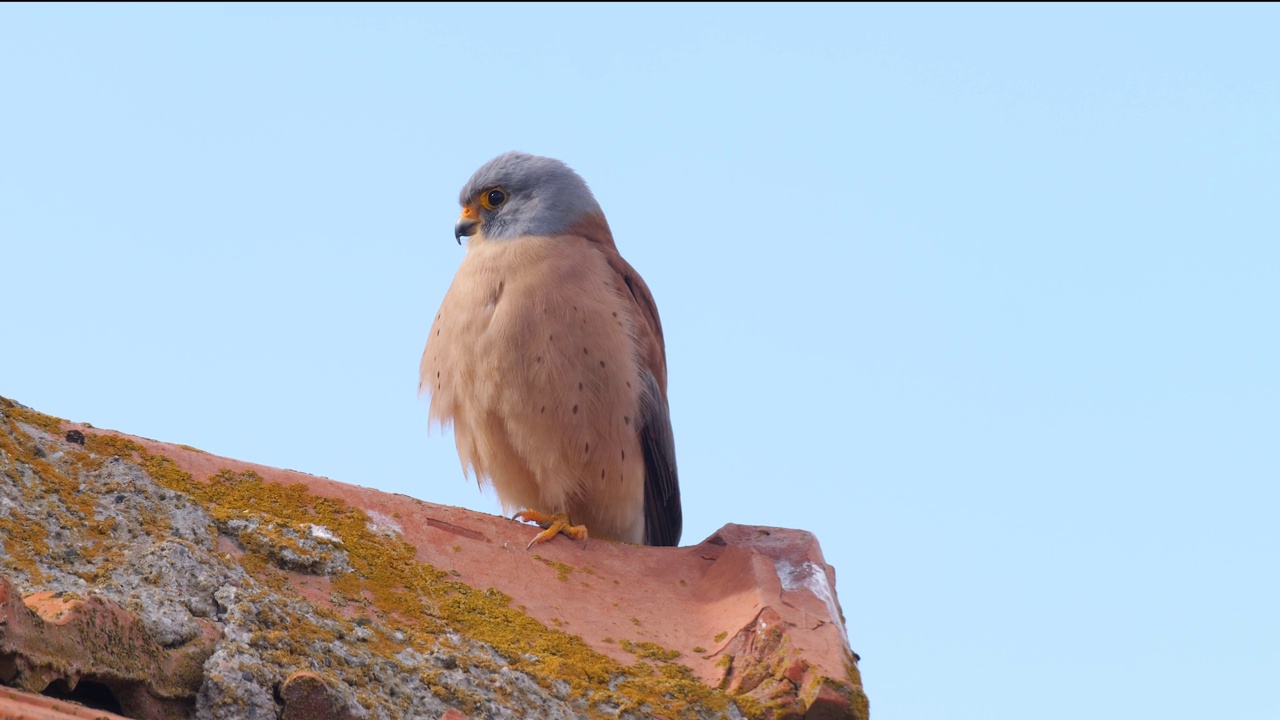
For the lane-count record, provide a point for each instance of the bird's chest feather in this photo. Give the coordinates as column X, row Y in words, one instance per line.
column 529, row 328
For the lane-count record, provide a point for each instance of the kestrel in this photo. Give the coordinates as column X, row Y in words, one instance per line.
column 547, row 358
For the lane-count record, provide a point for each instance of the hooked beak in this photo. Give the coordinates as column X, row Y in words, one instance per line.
column 468, row 223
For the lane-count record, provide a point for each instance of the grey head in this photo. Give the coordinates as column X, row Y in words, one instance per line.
column 516, row 194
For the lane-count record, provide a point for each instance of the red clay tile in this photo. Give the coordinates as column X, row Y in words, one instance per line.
column 763, row 595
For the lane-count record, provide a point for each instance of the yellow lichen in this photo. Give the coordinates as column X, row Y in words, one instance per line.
column 750, row 706
column 425, row 605
column 57, row 488
column 48, row 423
column 649, row 651
column 421, row 600
column 562, row 570
column 861, row 704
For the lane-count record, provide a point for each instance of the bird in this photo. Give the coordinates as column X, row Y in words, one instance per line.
column 548, row 360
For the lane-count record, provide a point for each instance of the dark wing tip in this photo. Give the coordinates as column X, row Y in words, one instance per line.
column 663, row 518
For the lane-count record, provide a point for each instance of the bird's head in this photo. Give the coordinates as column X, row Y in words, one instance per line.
column 516, row 195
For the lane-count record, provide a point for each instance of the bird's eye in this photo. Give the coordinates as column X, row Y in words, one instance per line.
column 493, row 199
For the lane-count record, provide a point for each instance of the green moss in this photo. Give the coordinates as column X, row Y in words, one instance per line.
column 720, row 636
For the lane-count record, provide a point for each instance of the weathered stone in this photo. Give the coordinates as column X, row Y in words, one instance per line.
column 56, row 639
column 308, row 696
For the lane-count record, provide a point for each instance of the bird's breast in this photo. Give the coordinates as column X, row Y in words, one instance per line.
column 531, row 324
column 533, row 358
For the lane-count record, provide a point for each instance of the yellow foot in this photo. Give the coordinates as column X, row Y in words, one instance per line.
column 553, row 525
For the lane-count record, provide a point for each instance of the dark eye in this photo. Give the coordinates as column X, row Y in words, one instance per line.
column 493, row 199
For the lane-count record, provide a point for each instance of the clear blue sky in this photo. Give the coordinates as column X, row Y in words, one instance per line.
column 986, row 297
